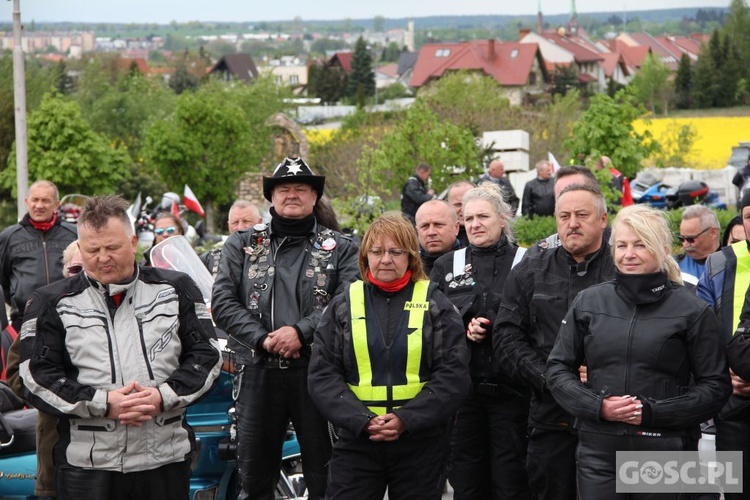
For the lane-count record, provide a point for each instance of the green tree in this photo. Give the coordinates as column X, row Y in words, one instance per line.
column 420, row 138
column 326, row 83
column 64, row 149
column 705, row 82
column 391, row 53
column 676, row 144
column 361, row 82
column 215, row 135
column 466, row 99
column 683, row 83
column 606, row 128
column 565, row 79
column 183, row 80
column 737, row 28
column 651, row 84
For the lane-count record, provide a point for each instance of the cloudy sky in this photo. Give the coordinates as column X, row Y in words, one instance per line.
column 164, row 11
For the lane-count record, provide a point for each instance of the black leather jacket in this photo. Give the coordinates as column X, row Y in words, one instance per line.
column 479, row 293
column 246, row 303
column 31, row 259
column 652, row 339
column 413, row 195
column 537, row 294
column 538, row 197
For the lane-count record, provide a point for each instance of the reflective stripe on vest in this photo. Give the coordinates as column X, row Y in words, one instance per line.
column 741, row 281
column 376, row 397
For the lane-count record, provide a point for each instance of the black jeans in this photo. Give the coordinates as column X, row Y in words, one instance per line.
column 410, row 468
column 268, row 399
column 734, row 435
column 597, row 454
column 488, row 449
column 168, row 482
column 551, row 464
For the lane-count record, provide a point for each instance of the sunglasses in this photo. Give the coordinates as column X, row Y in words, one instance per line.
column 162, row 230
column 691, row 239
column 75, row 269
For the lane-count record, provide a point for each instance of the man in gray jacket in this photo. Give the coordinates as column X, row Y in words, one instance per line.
column 273, row 283
column 118, row 353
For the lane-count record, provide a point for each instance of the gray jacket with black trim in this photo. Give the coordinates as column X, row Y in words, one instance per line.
column 76, row 346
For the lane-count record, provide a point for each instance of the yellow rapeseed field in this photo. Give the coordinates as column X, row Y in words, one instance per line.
column 716, row 136
column 318, row 136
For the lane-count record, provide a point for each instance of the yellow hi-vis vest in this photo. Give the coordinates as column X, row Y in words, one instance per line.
column 381, row 399
column 741, row 281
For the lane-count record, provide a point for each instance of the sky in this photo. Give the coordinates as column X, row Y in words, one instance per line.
column 165, row 11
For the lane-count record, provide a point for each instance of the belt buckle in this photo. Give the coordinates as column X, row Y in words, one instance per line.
column 284, row 363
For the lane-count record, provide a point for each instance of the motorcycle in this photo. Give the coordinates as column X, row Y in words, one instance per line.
column 213, row 472
column 649, row 188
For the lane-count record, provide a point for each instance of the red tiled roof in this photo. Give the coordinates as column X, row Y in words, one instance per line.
column 126, row 63
column 390, row 69
column 610, row 63
column 634, row 56
column 580, row 53
column 342, row 59
column 510, row 66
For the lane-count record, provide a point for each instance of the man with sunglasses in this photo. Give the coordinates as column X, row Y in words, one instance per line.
column 700, row 236
column 273, row 284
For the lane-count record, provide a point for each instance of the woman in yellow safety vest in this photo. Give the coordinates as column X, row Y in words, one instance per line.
column 389, row 369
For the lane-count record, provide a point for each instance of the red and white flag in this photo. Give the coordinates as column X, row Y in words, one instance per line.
column 551, row 158
column 175, row 210
column 191, row 202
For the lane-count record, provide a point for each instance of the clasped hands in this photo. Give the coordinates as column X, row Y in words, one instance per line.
column 134, row 404
column 284, row 342
column 386, row 427
column 627, row 409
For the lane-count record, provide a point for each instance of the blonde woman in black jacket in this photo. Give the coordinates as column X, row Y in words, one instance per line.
column 654, row 351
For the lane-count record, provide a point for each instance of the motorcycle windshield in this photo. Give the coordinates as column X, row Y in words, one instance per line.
column 176, row 253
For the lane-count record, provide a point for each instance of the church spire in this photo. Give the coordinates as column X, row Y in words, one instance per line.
column 572, row 28
column 539, row 19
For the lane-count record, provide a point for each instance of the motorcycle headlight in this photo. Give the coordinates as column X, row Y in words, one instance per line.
column 207, row 494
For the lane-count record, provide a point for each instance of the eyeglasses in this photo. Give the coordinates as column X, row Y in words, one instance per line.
column 691, row 239
column 75, row 269
column 393, row 252
column 162, row 230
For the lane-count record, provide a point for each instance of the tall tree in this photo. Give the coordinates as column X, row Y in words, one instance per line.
column 737, row 28
column 683, row 83
column 606, row 128
column 64, row 149
column 422, row 137
column 215, row 135
column 651, row 84
column 362, row 77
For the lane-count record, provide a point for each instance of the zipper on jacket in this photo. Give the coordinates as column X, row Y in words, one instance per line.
column 626, row 389
column 46, row 257
column 273, row 291
column 139, row 319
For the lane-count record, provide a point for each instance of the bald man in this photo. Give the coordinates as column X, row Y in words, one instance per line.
column 496, row 174
column 242, row 215
column 437, row 228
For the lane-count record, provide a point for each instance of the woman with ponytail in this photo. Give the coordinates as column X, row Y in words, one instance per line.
column 654, row 352
column 389, row 368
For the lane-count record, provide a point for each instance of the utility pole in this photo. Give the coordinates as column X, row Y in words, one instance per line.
column 19, row 101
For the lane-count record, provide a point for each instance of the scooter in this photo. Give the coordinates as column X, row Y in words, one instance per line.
column 213, row 475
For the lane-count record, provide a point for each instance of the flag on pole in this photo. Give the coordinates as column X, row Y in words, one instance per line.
column 191, row 202
column 553, row 161
column 175, row 210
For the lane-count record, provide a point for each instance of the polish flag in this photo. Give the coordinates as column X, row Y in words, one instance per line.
column 191, row 202
column 555, row 165
column 175, row 210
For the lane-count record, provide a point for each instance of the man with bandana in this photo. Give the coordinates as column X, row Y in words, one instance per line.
column 272, row 286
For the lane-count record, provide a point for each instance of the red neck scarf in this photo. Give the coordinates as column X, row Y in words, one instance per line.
column 393, row 286
column 44, row 226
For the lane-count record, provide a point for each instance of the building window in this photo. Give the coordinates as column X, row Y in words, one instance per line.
column 442, row 52
column 294, row 79
column 279, row 79
column 514, row 54
column 532, row 78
